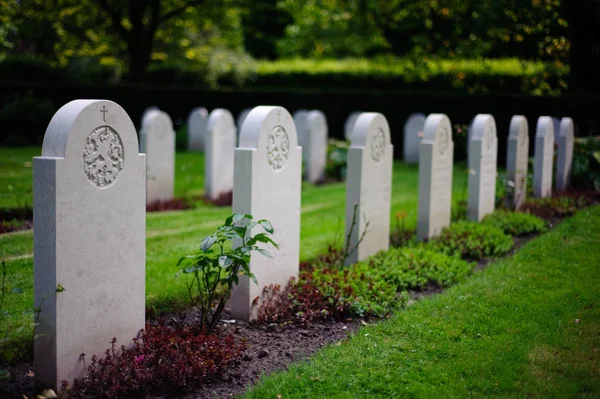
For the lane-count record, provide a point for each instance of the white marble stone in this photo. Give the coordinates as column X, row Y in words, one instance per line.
column 369, row 185
column 148, row 111
column 315, row 146
column 517, row 160
column 157, row 141
column 349, row 124
column 435, row 177
column 413, row 133
column 241, row 118
column 566, row 141
column 556, row 127
column 301, row 122
column 89, row 237
column 543, row 157
column 221, row 138
column 267, row 185
column 196, row 129
column 483, row 154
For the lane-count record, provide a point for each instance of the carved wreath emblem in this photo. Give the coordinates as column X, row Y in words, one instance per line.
column 103, row 156
column 377, row 145
column 278, row 148
column 443, row 140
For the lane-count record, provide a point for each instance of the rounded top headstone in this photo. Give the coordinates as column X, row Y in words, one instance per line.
column 567, row 127
column 372, row 132
column 415, row 123
column 518, row 127
column 199, row 113
column 349, row 124
column 545, row 127
column 438, row 130
column 271, row 129
column 316, row 119
column 220, row 117
column 158, row 124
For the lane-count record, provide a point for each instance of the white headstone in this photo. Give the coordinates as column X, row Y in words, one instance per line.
column 157, row 141
column 241, row 118
column 483, row 156
column 221, row 137
column 315, row 146
column 556, row 127
column 413, row 133
column 369, row 186
column 267, row 185
column 349, row 124
column 147, row 111
column 196, row 129
column 517, row 160
column 301, row 121
column 543, row 157
column 89, row 237
column 435, row 177
column 566, row 138
column 469, row 134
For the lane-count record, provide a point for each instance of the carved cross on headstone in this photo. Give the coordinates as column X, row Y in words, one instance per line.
column 104, row 112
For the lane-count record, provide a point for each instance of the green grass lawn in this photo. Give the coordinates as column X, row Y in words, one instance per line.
column 173, row 234
column 527, row 326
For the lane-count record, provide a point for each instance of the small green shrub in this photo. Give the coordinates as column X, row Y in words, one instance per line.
column 414, row 268
column 586, row 163
column 337, row 153
column 562, row 205
column 472, row 240
column 515, row 223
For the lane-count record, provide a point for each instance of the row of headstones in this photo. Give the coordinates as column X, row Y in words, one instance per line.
column 90, row 225
column 216, row 135
column 436, row 160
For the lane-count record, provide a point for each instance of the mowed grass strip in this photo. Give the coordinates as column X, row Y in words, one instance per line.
column 527, row 326
column 173, row 234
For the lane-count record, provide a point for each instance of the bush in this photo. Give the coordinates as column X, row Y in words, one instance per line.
column 162, row 360
column 24, row 118
column 337, row 154
column 475, row 76
column 561, row 205
column 586, row 163
column 472, row 240
column 323, row 294
column 515, row 223
column 414, row 268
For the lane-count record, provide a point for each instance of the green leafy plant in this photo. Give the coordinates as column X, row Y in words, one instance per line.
column 212, row 270
column 561, row 205
column 515, row 223
column 337, row 153
column 586, row 163
column 414, row 268
column 472, row 240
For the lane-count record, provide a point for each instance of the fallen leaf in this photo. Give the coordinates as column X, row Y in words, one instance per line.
column 48, row 393
column 364, row 323
column 279, row 396
column 577, row 321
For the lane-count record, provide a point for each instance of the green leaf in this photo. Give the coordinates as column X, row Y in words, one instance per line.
column 264, row 252
column 17, row 290
column 253, row 277
column 239, row 216
column 225, row 261
column 267, row 226
column 596, row 155
column 207, row 242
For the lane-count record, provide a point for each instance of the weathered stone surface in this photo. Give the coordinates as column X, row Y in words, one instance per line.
column 369, row 186
column 89, row 237
column 483, row 153
column 315, row 146
column 221, row 138
column 543, row 157
column 517, row 160
column 435, row 177
column 267, row 185
column 157, row 141
column 413, row 133
column 196, row 129
column 566, row 140
column 349, row 124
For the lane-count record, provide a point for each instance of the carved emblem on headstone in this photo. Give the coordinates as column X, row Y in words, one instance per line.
column 278, row 148
column 103, row 156
column 443, row 140
column 377, row 145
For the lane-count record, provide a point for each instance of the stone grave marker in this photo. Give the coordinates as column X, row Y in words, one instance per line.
column 157, row 141
column 315, row 146
column 483, row 155
column 517, row 160
column 556, row 127
column 413, row 133
column 301, row 121
column 89, row 237
column 196, row 129
column 349, row 124
column 267, row 185
column 147, row 111
column 566, row 141
column 241, row 118
column 369, row 187
column 543, row 157
column 435, row 177
column 221, row 138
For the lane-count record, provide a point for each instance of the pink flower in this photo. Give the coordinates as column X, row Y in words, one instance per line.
column 139, row 359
